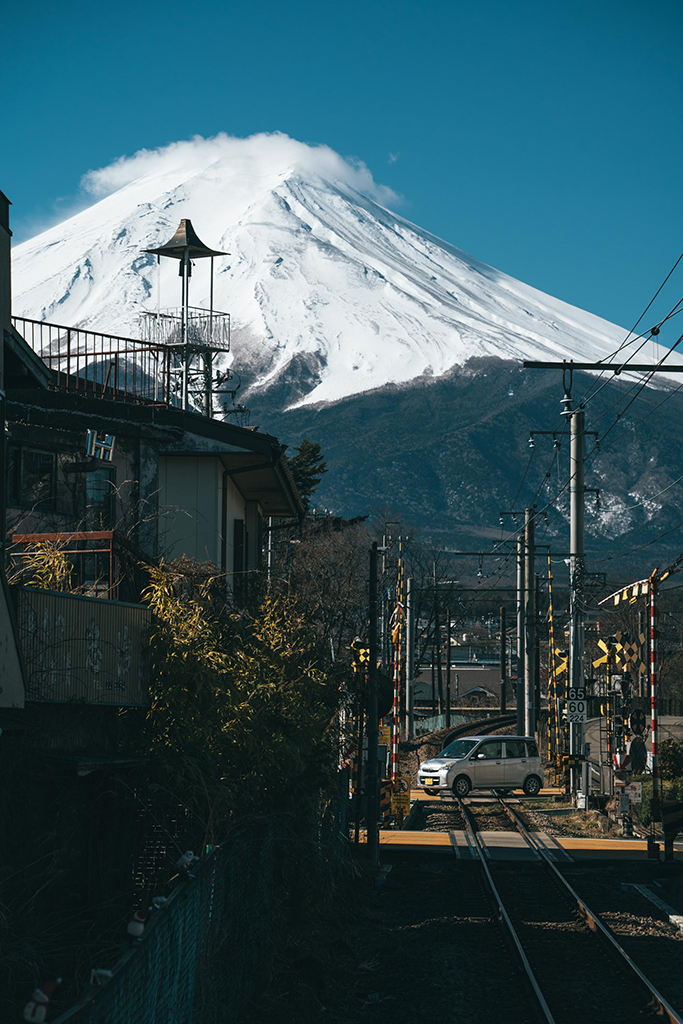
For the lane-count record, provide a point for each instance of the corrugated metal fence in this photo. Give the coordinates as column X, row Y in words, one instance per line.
column 82, row 648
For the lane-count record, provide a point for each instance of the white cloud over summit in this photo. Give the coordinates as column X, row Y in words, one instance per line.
column 275, row 151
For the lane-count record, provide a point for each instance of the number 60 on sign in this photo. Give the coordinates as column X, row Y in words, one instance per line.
column 577, row 710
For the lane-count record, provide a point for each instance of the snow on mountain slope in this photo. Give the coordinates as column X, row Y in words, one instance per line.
column 320, row 271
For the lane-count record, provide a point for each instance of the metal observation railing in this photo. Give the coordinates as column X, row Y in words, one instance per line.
column 107, row 365
column 205, row 328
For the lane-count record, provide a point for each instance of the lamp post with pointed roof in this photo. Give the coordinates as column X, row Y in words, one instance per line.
column 186, row 246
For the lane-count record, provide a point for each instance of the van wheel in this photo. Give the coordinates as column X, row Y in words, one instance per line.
column 532, row 785
column 461, row 786
column 432, row 792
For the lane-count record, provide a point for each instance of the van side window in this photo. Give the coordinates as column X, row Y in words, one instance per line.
column 515, row 748
column 491, row 751
column 532, row 748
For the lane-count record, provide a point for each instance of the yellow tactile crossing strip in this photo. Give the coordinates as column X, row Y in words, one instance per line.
column 400, row 838
column 419, row 794
column 627, row 849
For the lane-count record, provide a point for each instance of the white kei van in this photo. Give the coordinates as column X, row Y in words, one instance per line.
column 484, row 762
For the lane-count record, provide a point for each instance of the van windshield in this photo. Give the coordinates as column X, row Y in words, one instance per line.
column 458, row 748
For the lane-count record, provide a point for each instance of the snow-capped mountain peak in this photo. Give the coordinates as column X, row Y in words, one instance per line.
column 320, row 274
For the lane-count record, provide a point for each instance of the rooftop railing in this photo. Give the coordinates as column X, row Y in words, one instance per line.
column 170, row 360
column 105, row 365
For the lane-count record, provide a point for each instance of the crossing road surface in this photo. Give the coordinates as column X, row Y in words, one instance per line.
column 577, row 848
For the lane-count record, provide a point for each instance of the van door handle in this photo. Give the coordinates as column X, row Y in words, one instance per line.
column 523, row 760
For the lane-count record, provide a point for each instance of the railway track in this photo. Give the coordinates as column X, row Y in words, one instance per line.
column 483, row 728
column 575, row 968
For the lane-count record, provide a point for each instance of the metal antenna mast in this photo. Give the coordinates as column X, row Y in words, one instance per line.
column 198, row 334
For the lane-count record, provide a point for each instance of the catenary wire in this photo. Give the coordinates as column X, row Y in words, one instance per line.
column 626, row 340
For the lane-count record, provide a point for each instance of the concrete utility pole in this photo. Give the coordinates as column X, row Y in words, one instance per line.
column 503, row 662
column 529, row 625
column 410, row 658
column 656, row 809
column 372, row 790
column 437, row 642
column 537, row 655
column 577, row 553
column 448, row 668
column 520, row 635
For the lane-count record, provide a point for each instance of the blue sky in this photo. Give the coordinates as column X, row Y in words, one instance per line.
column 542, row 136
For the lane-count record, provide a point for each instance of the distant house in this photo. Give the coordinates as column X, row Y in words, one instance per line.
column 468, row 681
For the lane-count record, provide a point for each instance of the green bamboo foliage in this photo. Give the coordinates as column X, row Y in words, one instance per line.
column 46, row 566
column 241, row 707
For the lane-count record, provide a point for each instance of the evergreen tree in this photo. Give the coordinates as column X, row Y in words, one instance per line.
column 307, row 468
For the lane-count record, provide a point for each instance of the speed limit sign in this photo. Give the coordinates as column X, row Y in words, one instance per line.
column 577, row 708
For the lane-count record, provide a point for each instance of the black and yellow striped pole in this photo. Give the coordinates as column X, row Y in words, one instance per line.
column 554, row 723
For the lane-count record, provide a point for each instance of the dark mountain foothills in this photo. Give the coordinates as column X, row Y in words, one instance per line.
column 449, row 454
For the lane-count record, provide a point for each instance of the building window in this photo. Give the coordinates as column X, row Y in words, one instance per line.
column 32, row 479
column 99, row 499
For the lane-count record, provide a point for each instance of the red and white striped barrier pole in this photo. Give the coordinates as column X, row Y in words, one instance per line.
column 653, row 696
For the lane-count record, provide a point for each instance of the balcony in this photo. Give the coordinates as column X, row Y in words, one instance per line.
column 173, row 364
column 103, row 564
column 83, row 649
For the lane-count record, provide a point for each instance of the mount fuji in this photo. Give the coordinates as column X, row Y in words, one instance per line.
column 321, row 275
column 352, row 326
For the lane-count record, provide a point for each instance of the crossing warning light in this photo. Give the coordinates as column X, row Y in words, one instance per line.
column 360, row 653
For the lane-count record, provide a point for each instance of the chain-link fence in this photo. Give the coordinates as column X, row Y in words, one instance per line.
column 207, row 950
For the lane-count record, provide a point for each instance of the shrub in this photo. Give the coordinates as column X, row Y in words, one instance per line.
column 670, row 756
column 242, row 710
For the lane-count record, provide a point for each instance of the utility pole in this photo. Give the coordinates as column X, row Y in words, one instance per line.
column 656, row 810
column 529, row 625
column 642, row 652
column 372, row 793
column 269, row 562
column 410, row 657
column 520, row 636
column 448, row 668
column 503, row 662
column 577, row 552
column 437, row 642
column 537, row 654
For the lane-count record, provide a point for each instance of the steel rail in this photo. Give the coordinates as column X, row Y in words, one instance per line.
column 476, row 845
column 480, row 728
column 592, row 919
